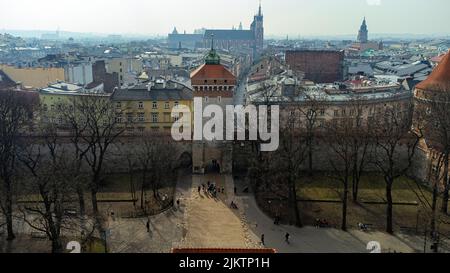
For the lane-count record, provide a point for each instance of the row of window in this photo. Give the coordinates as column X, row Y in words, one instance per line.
column 213, row 88
column 154, row 117
column 155, row 105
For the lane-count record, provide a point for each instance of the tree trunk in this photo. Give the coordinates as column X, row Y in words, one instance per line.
column 445, row 196
column 9, row 212
column 94, row 201
column 81, row 201
column 310, row 159
column 57, row 246
column 355, row 188
column 389, row 225
column 143, row 189
column 294, row 204
column 344, row 207
column 434, row 206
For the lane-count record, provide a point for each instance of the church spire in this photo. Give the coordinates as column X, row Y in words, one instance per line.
column 212, row 57
column 259, row 10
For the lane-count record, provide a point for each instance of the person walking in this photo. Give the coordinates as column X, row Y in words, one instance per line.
column 199, row 189
column 178, row 202
column 287, row 237
column 148, row 226
column 262, row 240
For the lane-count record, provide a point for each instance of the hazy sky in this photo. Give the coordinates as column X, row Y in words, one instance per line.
column 282, row 17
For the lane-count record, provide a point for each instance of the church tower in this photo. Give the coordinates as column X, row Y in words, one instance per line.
column 363, row 34
column 258, row 29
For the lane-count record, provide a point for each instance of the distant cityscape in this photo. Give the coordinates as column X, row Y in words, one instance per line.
column 88, row 155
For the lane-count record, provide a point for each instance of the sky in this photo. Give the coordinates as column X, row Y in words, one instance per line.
column 282, row 17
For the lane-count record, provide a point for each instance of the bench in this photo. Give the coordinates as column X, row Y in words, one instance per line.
column 367, row 226
column 70, row 212
column 38, row 235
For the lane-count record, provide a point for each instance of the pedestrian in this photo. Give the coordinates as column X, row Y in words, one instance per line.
column 287, row 237
column 223, row 190
column 262, row 240
column 178, row 202
column 148, row 226
column 199, row 189
column 209, row 184
column 235, row 190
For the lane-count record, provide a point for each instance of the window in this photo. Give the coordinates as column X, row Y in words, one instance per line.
column 176, row 117
column 166, row 105
column 155, row 105
column 155, row 117
column 176, row 104
column 322, row 112
column 141, row 117
column 130, row 117
column 141, row 105
column 336, row 113
column 118, row 105
column 141, row 129
column 119, row 117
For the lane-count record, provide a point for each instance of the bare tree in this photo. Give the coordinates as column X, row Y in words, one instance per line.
column 46, row 166
column 341, row 158
column 15, row 114
column 279, row 171
column 156, row 160
column 101, row 130
column 310, row 112
column 394, row 151
column 360, row 140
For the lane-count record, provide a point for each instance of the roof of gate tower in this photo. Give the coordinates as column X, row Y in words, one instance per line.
column 213, row 71
column 439, row 79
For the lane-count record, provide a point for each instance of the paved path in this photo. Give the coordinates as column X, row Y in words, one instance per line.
column 166, row 229
column 210, row 222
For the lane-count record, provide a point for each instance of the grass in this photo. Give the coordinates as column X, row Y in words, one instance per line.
column 371, row 189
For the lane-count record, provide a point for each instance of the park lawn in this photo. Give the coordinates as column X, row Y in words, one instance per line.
column 372, row 189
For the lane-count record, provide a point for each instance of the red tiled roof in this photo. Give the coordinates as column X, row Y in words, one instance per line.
column 437, row 59
column 212, row 71
column 439, row 79
column 224, row 250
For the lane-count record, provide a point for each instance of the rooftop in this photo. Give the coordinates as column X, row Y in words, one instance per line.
column 439, row 79
column 170, row 91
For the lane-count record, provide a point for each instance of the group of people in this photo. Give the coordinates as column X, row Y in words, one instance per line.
column 363, row 227
column 286, row 238
column 211, row 189
column 321, row 223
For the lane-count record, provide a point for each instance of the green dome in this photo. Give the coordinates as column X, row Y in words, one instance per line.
column 212, row 57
